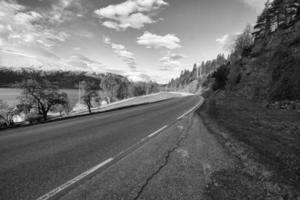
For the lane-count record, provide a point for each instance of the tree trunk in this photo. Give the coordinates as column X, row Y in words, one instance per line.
column 89, row 108
column 45, row 117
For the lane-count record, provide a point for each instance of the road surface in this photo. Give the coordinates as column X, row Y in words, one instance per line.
column 37, row 159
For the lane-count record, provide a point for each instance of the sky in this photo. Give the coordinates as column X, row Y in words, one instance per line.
column 141, row 39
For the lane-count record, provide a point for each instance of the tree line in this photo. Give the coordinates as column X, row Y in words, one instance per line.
column 221, row 72
column 41, row 94
column 198, row 72
column 269, row 69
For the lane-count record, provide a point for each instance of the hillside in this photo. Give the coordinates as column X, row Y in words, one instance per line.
column 9, row 77
column 264, row 63
column 271, row 68
column 192, row 81
column 253, row 107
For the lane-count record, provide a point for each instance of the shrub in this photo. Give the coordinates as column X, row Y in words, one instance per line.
column 212, row 107
column 34, row 118
column 220, row 77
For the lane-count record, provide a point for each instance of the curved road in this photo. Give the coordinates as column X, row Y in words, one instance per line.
column 37, row 159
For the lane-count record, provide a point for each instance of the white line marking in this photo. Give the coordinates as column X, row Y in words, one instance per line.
column 159, row 130
column 183, row 115
column 187, row 112
column 55, row 191
column 74, row 180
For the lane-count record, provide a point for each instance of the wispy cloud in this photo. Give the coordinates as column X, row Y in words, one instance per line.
column 150, row 40
column 171, row 61
column 121, row 51
column 83, row 62
column 48, row 61
column 138, row 76
column 227, row 41
column 20, row 25
column 17, row 53
column 64, row 11
column 129, row 14
column 256, row 4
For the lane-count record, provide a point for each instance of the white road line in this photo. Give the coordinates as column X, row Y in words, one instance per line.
column 55, row 191
column 74, row 180
column 159, row 130
column 187, row 112
column 183, row 115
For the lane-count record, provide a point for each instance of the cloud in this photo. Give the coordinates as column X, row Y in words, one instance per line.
column 20, row 25
column 227, row 41
column 129, row 14
column 64, row 11
column 138, row 77
column 121, row 51
column 85, row 63
column 49, row 61
column 222, row 40
column 35, row 57
column 170, row 61
column 256, row 4
column 150, row 40
column 84, row 58
column 17, row 53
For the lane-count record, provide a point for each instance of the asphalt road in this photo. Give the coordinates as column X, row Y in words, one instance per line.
column 37, row 159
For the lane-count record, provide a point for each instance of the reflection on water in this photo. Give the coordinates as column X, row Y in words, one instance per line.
column 10, row 95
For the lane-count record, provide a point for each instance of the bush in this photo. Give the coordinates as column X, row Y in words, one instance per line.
column 212, row 107
column 220, row 78
column 34, row 118
column 285, row 75
column 3, row 123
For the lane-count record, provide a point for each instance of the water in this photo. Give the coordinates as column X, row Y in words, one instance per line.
column 10, row 95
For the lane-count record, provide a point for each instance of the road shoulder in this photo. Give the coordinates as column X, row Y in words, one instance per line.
column 251, row 178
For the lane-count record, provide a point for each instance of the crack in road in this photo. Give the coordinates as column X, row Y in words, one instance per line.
column 183, row 135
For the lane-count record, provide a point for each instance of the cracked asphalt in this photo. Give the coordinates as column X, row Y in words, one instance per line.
column 37, row 159
column 176, row 164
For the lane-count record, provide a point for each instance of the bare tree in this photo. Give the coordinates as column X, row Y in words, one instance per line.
column 7, row 113
column 91, row 94
column 244, row 42
column 42, row 96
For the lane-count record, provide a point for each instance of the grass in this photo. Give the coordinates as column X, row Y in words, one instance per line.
column 133, row 101
column 274, row 135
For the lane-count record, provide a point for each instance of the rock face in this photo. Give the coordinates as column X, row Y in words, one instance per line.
column 272, row 70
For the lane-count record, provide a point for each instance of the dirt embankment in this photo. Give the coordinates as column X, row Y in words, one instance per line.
column 267, row 143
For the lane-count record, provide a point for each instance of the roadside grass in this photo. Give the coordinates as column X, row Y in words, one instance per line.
column 151, row 98
column 273, row 135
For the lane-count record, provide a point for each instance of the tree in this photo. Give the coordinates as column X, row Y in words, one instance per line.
column 7, row 113
column 264, row 21
column 62, row 109
column 91, row 94
column 41, row 95
column 123, row 90
column 110, row 83
column 139, row 89
column 220, row 77
column 244, row 42
column 276, row 14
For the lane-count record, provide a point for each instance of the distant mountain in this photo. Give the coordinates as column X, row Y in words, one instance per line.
column 10, row 77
